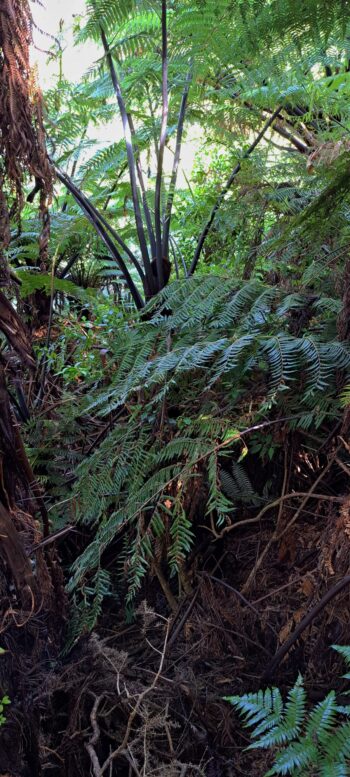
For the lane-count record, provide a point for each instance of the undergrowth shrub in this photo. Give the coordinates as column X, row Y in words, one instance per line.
column 159, row 446
column 306, row 742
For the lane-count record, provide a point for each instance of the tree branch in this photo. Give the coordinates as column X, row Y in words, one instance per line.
column 98, row 215
column 302, row 147
column 286, row 130
column 71, row 262
column 309, row 617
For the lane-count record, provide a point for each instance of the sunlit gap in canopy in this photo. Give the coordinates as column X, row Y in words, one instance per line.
column 76, row 61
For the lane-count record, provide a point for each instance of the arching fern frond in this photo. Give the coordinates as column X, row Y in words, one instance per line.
column 176, row 394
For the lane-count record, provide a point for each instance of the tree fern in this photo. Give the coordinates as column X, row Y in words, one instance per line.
column 112, row 14
column 151, row 455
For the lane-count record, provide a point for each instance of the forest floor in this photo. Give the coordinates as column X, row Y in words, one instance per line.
column 147, row 697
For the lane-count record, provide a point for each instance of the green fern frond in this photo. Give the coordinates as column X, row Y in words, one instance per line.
column 294, row 758
column 309, row 743
column 164, row 395
column 32, row 281
column 182, row 538
column 237, row 485
column 88, row 606
column 322, row 719
column 110, row 13
column 345, row 397
column 263, row 709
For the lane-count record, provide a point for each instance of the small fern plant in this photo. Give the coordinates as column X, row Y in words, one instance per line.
column 4, row 701
column 304, row 742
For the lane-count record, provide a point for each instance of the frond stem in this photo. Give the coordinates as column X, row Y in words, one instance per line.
column 162, row 141
column 226, row 188
column 131, row 159
column 171, row 194
column 95, row 219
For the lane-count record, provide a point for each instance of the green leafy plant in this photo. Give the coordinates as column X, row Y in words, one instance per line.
column 223, row 83
column 304, row 742
column 173, row 397
column 345, row 397
column 5, row 701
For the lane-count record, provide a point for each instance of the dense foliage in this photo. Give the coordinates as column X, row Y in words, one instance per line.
column 180, row 401
column 174, row 365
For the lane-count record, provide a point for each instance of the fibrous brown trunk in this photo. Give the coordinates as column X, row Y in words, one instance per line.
column 31, row 590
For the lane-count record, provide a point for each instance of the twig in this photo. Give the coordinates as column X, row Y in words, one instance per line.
column 239, row 596
column 237, row 634
column 310, row 494
column 184, row 618
column 124, row 744
column 277, row 590
column 52, row 538
column 230, row 588
column 131, row 761
column 90, row 745
column 275, row 503
column 277, row 535
column 343, row 466
column 167, row 730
